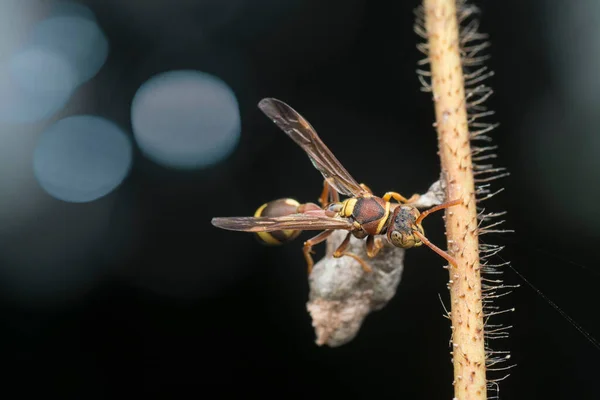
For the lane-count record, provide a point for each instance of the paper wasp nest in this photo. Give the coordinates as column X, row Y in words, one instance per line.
column 342, row 294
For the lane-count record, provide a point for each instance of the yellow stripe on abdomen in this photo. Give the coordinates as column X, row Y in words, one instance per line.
column 268, row 238
column 260, row 210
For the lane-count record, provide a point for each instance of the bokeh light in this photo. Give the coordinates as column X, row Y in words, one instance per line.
column 16, row 20
column 32, row 68
column 185, row 119
column 70, row 8
column 47, row 61
column 82, row 158
column 77, row 39
column 34, row 85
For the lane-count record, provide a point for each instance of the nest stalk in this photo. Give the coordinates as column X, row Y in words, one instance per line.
column 448, row 89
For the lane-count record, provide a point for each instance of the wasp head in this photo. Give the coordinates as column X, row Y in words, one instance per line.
column 400, row 231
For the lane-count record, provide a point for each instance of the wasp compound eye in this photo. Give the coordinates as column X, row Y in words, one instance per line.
column 403, row 240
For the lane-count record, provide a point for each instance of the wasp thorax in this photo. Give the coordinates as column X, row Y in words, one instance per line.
column 401, row 231
column 277, row 208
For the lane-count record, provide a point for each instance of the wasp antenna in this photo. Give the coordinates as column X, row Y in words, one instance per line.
column 433, row 247
column 437, row 208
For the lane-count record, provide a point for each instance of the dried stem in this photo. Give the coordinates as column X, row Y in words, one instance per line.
column 447, row 86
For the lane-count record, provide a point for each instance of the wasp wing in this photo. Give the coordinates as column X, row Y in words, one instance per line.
column 305, row 222
column 301, row 132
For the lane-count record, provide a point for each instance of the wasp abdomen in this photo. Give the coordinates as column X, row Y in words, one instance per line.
column 277, row 208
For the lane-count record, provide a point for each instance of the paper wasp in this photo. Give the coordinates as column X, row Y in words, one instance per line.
column 362, row 214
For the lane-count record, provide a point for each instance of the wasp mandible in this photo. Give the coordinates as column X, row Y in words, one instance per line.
column 362, row 214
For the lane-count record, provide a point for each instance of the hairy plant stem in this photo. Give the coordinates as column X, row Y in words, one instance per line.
column 447, row 83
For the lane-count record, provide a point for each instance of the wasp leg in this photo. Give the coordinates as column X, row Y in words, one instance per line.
column 324, row 198
column 373, row 246
column 368, row 189
column 334, row 196
column 340, row 252
column 399, row 198
column 328, row 195
column 433, row 247
column 308, row 245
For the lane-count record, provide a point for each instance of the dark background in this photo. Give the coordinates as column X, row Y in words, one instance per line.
column 176, row 306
